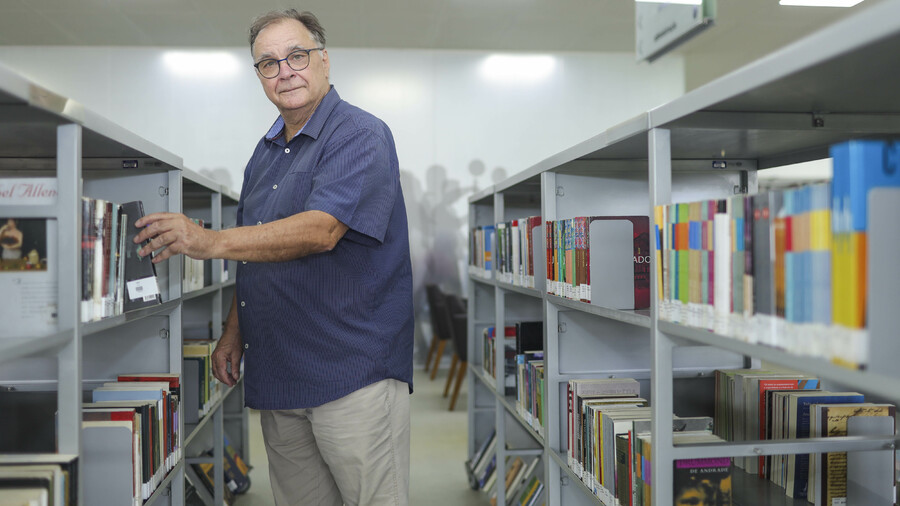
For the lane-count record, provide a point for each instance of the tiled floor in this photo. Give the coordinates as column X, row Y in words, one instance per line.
column 438, row 449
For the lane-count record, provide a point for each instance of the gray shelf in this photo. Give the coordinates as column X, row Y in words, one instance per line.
column 531, row 292
column 573, row 478
column 94, row 327
column 789, row 107
column 194, row 429
column 207, row 290
column 637, row 317
column 162, row 489
column 885, row 386
column 14, row 349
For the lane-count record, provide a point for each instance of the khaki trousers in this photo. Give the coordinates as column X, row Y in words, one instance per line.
column 352, row 451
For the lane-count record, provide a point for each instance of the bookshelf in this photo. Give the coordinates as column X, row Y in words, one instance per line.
column 45, row 135
column 789, row 107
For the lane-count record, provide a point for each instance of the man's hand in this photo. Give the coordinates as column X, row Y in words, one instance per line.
column 174, row 233
column 228, row 351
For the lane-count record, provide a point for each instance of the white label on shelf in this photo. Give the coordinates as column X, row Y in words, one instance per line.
column 144, row 288
column 839, row 501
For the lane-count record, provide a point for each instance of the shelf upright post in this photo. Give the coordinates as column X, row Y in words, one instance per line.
column 661, row 345
column 499, row 359
column 68, row 214
column 218, row 455
column 470, row 346
column 217, row 264
column 552, row 473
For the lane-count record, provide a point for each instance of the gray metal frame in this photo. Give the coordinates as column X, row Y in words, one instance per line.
column 754, row 118
column 85, row 141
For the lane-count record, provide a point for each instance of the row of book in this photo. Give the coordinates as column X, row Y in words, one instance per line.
column 39, row 480
column 518, row 338
column 516, row 242
column 618, row 249
column 522, row 485
column 753, row 404
column 201, row 387
column 114, row 278
column 194, row 271
column 529, row 373
column 130, row 437
column 609, row 446
column 617, row 246
column 786, row 268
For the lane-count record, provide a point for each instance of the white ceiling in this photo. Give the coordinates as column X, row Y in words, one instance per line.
column 505, row 25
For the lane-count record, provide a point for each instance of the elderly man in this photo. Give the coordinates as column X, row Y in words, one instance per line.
column 322, row 313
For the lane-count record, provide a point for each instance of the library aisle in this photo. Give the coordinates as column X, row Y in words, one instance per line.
column 438, row 450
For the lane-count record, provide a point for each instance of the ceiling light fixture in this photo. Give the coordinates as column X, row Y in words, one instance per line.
column 505, row 68
column 201, row 63
column 820, row 3
column 678, row 2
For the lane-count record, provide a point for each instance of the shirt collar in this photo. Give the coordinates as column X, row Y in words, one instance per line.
column 314, row 125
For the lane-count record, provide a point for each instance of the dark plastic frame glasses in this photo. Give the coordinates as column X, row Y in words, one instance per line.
column 298, row 60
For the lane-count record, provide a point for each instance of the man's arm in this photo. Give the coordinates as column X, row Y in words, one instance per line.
column 229, row 349
column 289, row 238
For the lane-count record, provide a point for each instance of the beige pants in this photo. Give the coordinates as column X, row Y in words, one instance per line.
column 352, row 451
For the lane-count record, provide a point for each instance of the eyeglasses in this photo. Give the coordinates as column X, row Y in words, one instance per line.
column 297, row 60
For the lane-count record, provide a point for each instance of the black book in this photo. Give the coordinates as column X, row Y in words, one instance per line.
column 529, row 336
column 141, row 287
column 28, row 424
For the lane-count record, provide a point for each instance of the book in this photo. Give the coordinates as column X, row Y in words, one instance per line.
column 828, row 471
column 142, row 289
column 621, row 244
column 703, row 481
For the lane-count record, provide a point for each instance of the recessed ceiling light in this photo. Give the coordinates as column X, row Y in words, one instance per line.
column 679, row 2
column 507, row 68
column 201, row 63
column 820, row 3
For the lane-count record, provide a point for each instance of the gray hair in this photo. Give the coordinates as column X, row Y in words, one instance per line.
column 308, row 19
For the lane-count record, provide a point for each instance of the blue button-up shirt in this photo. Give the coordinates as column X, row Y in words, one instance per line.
column 320, row 327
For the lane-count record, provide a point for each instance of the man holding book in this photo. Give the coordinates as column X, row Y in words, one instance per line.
column 322, row 313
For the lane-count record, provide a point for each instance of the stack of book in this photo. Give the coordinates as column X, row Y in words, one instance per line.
column 767, row 405
column 529, row 379
column 130, row 436
column 509, row 356
column 786, row 268
column 201, row 388
column 515, row 261
column 114, row 278
column 619, row 245
column 39, row 480
column 479, row 467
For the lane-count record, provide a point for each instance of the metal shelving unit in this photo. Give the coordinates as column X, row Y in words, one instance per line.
column 43, row 134
column 832, row 86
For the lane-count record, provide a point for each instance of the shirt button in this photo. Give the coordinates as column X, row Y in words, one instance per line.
column 243, row 303
column 246, row 346
column 243, row 261
column 259, row 223
column 287, row 150
column 274, row 186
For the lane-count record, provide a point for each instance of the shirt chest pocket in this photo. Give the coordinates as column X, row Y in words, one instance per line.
column 289, row 196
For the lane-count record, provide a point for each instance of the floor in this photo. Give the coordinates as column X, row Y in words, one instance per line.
column 437, row 447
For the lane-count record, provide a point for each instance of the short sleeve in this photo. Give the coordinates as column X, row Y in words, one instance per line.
column 356, row 182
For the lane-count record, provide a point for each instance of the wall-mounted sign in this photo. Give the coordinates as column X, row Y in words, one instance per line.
column 662, row 25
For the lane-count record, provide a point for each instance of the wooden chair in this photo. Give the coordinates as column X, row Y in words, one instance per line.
column 459, row 318
column 440, row 327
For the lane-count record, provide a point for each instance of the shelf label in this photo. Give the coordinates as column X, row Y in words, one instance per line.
column 144, row 289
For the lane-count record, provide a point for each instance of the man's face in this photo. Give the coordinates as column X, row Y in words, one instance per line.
column 292, row 90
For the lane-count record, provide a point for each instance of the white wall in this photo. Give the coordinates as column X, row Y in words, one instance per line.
column 456, row 128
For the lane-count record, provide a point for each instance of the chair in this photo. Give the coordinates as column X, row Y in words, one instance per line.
column 440, row 327
column 459, row 317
